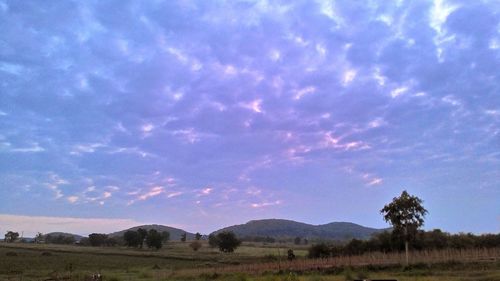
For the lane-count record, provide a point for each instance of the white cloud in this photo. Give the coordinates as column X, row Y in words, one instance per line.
column 398, row 92
column 348, row 77
column 35, row 147
column 31, row 225
column 255, row 106
column 174, row 194
column 265, row 204
column 153, row 192
column 304, row 91
column 375, row 181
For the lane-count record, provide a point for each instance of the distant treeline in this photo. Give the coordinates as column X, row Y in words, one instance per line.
column 59, row 239
column 391, row 242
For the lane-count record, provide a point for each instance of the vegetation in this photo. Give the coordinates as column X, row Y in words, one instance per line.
column 273, row 230
column 11, row 236
column 387, row 242
column 195, row 245
column 226, row 241
column 154, row 239
column 56, row 239
column 122, row 257
column 132, row 238
column 176, row 261
column 406, row 215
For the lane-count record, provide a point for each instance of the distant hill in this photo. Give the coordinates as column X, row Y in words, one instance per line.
column 64, row 234
column 175, row 233
column 282, row 229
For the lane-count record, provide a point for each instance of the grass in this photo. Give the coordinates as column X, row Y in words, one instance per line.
column 178, row 262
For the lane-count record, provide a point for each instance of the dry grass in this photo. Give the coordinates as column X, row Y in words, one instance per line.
column 178, row 262
column 373, row 259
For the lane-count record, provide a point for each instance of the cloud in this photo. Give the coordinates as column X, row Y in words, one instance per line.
column 31, row 225
column 242, row 95
column 153, row 192
column 265, row 204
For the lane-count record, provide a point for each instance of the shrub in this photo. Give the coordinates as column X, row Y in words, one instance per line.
column 319, row 251
column 195, row 245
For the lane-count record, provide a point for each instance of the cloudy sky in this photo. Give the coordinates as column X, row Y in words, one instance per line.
column 202, row 114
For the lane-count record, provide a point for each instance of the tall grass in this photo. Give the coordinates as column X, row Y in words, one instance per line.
column 367, row 259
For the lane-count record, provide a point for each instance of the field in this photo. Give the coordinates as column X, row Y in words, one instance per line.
column 255, row 261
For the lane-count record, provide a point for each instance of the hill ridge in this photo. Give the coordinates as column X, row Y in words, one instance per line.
column 285, row 228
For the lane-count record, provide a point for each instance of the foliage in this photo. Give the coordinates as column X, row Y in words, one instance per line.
column 165, row 235
column 97, row 239
column 424, row 240
column 213, row 242
column 197, row 236
column 154, row 239
column 11, row 236
column 227, row 241
column 59, row 239
column 297, row 240
column 142, row 236
column 290, row 255
column 195, row 245
column 184, row 237
column 132, row 238
column 321, row 250
column 406, row 214
column 39, row 237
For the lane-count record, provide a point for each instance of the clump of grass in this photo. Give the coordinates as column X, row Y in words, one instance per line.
column 362, row 275
column 11, row 254
column 315, row 278
column 348, row 275
column 291, row 277
column 145, row 275
column 113, row 278
column 46, row 254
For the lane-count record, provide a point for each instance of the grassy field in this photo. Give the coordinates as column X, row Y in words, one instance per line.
column 177, row 261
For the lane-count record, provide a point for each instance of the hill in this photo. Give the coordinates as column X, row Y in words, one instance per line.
column 283, row 229
column 175, row 233
column 64, row 234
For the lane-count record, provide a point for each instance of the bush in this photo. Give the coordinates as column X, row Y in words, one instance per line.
column 195, row 245
column 319, row 251
column 11, row 254
column 46, row 254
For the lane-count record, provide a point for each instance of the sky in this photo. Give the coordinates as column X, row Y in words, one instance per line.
column 204, row 114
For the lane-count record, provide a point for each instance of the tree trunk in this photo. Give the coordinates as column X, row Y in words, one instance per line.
column 406, row 252
column 406, row 244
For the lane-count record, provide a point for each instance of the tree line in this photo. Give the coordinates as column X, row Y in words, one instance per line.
column 226, row 242
column 390, row 242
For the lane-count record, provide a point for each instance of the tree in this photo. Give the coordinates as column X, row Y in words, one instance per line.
column 11, row 236
column 213, row 242
column 406, row 214
column 154, row 239
column 197, row 236
column 132, row 238
column 97, row 239
column 227, row 241
column 297, row 240
column 165, row 236
column 319, row 251
column 39, row 237
column 195, row 245
column 290, row 255
column 183, row 237
column 142, row 236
